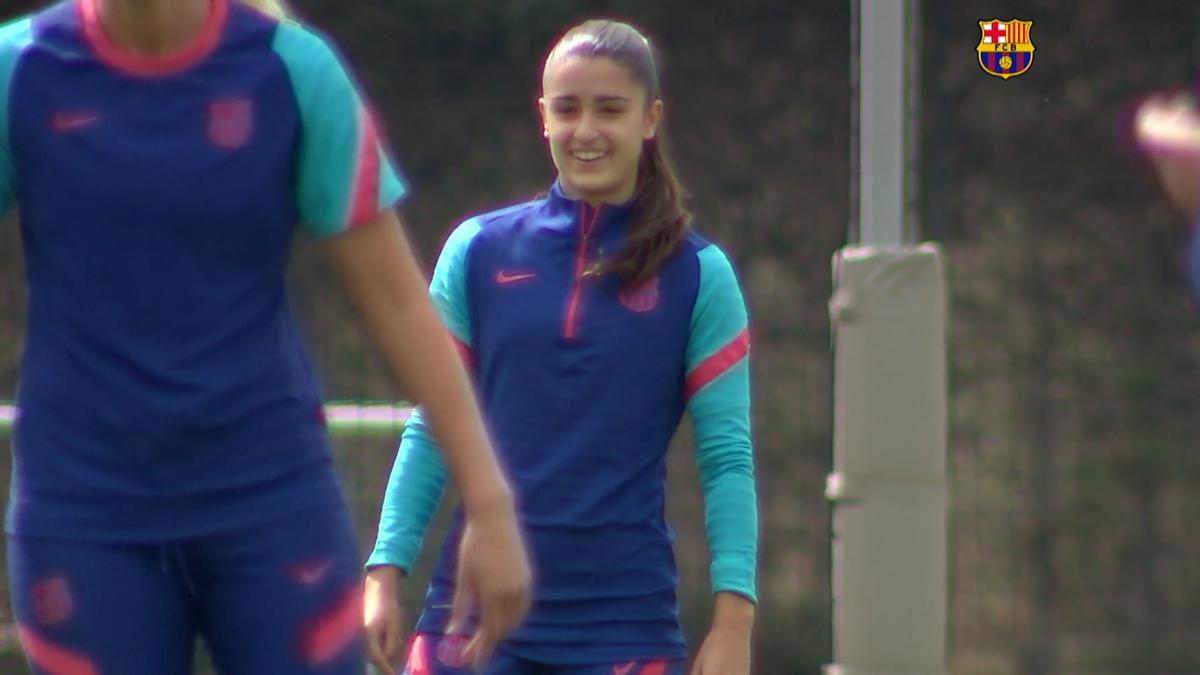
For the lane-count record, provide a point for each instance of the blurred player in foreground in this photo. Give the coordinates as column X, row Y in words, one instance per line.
column 172, row 476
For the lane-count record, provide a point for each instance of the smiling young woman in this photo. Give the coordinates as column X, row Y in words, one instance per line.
column 593, row 318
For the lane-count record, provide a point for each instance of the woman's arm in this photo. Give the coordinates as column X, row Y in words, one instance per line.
column 413, row 492
column 717, row 388
column 380, row 273
column 378, row 270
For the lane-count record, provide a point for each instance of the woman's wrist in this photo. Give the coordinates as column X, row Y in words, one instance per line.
column 733, row 612
column 386, row 575
column 486, row 493
column 488, row 502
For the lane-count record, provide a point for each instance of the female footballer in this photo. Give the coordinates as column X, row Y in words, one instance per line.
column 592, row 318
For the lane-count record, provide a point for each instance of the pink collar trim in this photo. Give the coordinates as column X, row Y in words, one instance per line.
column 147, row 66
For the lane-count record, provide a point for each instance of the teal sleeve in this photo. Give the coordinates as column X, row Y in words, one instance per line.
column 718, row 386
column 419, row 472
column 343, row 174
column 448, row 288
column 413, row 492
column 14, row 37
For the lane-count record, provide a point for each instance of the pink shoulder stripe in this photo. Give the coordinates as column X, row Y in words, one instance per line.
column 466, row 354
column 364, row 203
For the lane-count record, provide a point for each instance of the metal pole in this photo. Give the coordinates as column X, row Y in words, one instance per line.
column 883, row 77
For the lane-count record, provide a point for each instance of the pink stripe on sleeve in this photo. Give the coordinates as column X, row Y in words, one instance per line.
column 465, row 353
column 712, row 367
column 364, row 204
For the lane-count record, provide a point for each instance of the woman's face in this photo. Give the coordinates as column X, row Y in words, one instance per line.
column 596, row 119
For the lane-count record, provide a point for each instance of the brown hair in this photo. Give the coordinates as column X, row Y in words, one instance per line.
column 660, row 223
column 275, row 8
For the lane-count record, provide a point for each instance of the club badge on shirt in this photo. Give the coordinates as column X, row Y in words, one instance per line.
column 230, row 122
column 642, row 299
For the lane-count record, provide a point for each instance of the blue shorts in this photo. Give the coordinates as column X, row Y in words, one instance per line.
column 432, row 654
column 284, row 599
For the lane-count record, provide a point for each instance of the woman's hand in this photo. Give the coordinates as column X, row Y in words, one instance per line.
column 383, row 618
column 493, row 574
column 726, row 648
column 377, row 267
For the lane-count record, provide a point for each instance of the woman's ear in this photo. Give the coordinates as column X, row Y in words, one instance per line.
column 654, row 114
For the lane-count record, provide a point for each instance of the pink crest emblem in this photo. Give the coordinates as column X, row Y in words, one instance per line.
column 642, row 299
column 230, row 123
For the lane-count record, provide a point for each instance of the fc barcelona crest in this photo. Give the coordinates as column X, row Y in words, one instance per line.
column 230, row 123
column 1005, row 49
column 642, row 299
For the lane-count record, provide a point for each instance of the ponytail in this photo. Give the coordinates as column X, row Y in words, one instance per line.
column 660, row 223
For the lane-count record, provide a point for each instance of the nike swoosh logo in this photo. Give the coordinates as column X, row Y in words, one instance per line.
column 621, row 670
column 311, row 574
column 503, row 277
column 64, row 122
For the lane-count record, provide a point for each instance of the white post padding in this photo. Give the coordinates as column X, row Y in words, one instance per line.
column 889, row 483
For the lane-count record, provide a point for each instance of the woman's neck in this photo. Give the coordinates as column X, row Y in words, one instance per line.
column 153, row 27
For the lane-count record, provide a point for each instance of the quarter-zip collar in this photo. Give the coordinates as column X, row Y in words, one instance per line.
column 592, row 229
column 570, row 216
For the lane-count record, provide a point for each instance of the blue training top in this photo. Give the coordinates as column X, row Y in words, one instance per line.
column 584, row 385
column 163, row 389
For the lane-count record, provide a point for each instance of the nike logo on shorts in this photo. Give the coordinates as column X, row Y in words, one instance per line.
column 66, row 122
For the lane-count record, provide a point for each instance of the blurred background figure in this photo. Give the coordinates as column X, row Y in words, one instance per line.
column 1168, row 130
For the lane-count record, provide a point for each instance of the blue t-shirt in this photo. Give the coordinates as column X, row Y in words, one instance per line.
column 163, row 389
column 584, row 383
